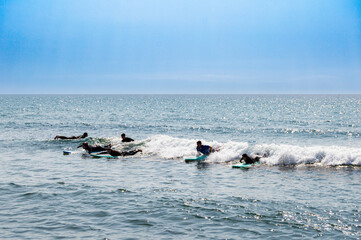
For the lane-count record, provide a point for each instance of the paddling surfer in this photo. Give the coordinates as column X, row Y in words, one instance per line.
column 72, row 137
column 97, row 148
column 115, row 153
column 249, row 160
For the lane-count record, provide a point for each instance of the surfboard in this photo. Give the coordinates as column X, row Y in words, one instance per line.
column 67, row 152
column 243, row 165
column 195, row 159
column 102, row 156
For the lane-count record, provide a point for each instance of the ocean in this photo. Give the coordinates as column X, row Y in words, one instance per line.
column 308, row 186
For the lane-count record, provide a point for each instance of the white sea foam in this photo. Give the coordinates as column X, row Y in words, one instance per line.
column 323, row 155
column 168, row 147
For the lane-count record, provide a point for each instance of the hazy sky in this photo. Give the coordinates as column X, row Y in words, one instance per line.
column 171, row 46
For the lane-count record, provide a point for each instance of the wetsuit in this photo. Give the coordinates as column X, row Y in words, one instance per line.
column 116, row 153
column 72, row 137
column 205, row 149
column 127, row 140
column 91, row 148
column 249, row 160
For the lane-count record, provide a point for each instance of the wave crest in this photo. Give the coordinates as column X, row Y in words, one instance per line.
column 168, row 147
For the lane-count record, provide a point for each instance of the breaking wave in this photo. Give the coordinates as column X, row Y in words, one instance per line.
column 167, row 147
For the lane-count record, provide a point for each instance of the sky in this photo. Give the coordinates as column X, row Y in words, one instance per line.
column 180, row 47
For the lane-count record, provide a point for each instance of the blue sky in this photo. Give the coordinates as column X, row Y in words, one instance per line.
column 158, row 46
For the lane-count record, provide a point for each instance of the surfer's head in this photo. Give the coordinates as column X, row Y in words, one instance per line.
column 123, row 135
column 85, row 135
column 244, row 156
column 199, row 144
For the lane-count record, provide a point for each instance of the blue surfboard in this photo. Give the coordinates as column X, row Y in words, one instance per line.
column 195, row 159
column 243, row 165
column 67, row 152
column 102, row 156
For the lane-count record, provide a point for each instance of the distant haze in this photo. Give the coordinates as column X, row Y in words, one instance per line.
column 180, row 46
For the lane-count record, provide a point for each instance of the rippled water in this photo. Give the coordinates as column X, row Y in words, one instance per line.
column 308, row 187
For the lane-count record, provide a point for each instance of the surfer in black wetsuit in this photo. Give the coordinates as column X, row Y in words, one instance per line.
column 126, row 139
column 90, row 148
column 72, row 137
column 115, row 153
column 248, row 160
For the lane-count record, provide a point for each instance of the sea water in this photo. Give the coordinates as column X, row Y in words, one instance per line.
column 308, row 186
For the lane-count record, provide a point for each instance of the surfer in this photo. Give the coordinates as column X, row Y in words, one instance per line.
column 205, row 149
column 115, row 153
column 72, row 137
column 97, row 148
column 126, row 139
column 249, row 160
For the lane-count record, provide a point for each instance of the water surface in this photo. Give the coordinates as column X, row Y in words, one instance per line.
column 308, row 186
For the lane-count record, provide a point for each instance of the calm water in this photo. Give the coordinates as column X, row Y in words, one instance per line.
column 308, row 187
